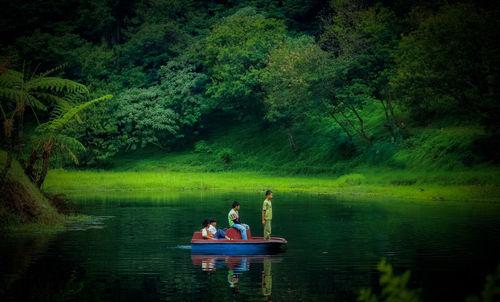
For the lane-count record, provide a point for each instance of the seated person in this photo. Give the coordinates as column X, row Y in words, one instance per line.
column 234, row 221
column 205, row 233
column 217, row 234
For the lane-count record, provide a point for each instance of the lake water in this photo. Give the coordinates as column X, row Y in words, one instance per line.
column 136, row 248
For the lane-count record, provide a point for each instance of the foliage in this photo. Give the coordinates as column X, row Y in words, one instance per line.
column 235, row 49
column 50, row 138
column 225, row 155
column 23, row 90
column 491, row 290
column 145, row 118
column 321, row 87
column 184, row 90
column 291, row 70
column 394, row 287
column 362, row 41
column 202, row 147
column 150, row 47
column 449, row 66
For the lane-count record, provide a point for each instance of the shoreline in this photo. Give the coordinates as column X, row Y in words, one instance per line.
column 351, row 186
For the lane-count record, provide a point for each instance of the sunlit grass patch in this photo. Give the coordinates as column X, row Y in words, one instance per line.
column 366, row 183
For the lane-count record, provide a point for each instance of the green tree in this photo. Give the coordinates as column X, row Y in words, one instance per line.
column 184, row 90
column 148, row 47
column 29, row 90
column 100, row 134
column 8, row 128
column 236, row 49
column 145, row 118
column 362, row 41
column 50, row 137
column 449, row 66
column 287, row 79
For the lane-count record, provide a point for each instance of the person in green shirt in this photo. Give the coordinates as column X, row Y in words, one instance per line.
column 267, row 214
column 234, row 221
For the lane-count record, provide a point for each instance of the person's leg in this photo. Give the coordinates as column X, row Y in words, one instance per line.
column 242, row 230
column 220, row 234
column 267, row 230
column 246, row 226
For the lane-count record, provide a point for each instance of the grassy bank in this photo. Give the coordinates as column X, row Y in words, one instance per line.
column 432, row 164
column 24, row 209
column 466, row 185
column 22, row 202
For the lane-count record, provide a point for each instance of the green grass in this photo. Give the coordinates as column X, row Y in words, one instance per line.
column 433, row 164
column 371, row 184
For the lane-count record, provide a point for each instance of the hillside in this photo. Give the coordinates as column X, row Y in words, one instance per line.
column 250, row 156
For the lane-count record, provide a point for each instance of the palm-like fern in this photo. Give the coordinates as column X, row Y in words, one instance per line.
column 21, row 90
column 50, row 137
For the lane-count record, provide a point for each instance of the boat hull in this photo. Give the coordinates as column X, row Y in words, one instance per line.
column 252, row 246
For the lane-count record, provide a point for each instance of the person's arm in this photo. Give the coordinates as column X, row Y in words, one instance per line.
column 235, row 219
column 263, row 215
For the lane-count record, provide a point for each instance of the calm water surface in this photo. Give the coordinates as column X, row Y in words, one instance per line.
column 136, row 248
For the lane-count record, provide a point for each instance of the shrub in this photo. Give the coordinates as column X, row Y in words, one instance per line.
column 226, row 155
column 202, row 147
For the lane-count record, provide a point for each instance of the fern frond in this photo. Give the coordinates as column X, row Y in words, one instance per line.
column 16, row 95
column 55, row 84
column 11, row 78
column 51, row 98
column 67, row 116
column 59, row 110
column 76, row 98
column 57, row 68
column 69, row 144
column 70, row 152
column 57, row 123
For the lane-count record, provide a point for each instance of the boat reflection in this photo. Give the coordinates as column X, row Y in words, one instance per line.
column 236, row 266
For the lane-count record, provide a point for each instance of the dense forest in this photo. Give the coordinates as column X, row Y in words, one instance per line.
column 295, row 86
column 155, row 115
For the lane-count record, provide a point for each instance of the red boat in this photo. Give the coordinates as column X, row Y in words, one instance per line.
column 236, row 246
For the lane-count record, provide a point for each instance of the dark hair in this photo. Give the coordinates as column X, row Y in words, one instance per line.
column 235, row 204
column 212, row 220
column 205, row 223
column 268, row 192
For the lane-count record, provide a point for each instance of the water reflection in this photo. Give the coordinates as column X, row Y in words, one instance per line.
column 267, row 279
column 236, row 266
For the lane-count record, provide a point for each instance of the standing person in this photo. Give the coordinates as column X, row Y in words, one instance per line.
column 218, row 234
column 234, row 221
column 267, row 214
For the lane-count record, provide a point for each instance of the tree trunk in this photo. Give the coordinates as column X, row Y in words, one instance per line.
column 8, row 125
column 341, row 126
column 291, row 139
column 390, row 123
column 389, row 115
column 348, row 120
column 31, row 164
column 47, row 152
column 20, row 135
column 361, row 126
